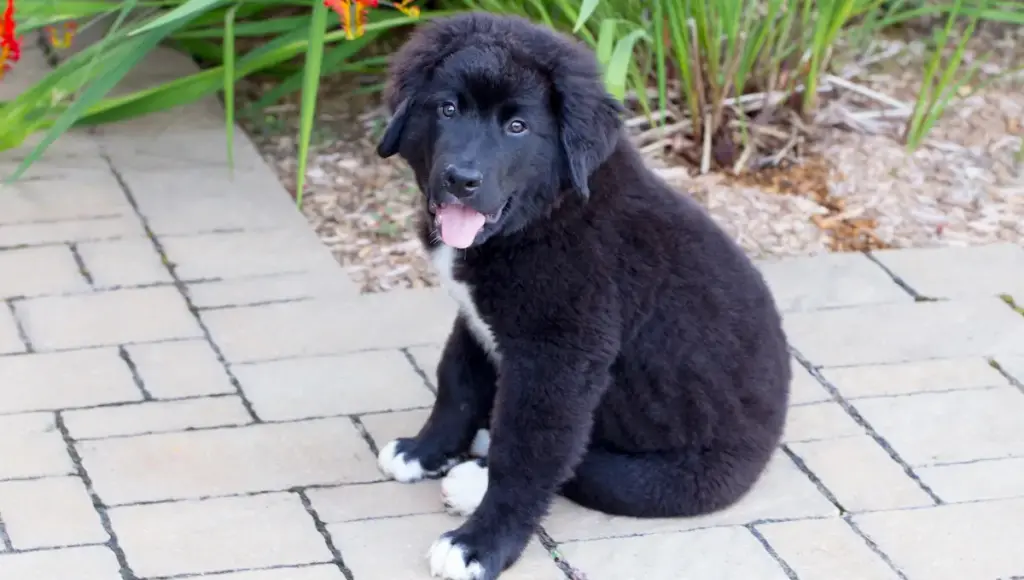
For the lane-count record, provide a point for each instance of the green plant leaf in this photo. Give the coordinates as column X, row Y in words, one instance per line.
column 183, row 12
column 95, row 91
column 605, row 41
column 586, row 10
column 618, row 64
column 229, row 83
column 310, row 85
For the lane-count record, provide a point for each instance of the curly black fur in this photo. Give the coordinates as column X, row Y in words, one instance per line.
column 620, row 346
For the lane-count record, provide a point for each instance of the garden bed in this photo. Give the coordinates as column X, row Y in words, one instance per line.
column 849, row 189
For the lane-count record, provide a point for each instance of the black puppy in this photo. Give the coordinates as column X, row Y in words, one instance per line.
column 619, row 346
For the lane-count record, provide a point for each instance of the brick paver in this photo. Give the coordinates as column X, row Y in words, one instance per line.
column 107, row 318
column 829, row 281
column 227, row 461
column 156, row 417
column 959, row 272
column 216, row 535
column 962, row 425
column 860, row 474
column 53, row 269
column 190, row 387
column 908, row 378
column 977, row 480
column 125, row 262
column 32, row 447
column 364, row 382
column 80, row 563
column 827, row 548
column 729, row 553
column 892, row 333
column 48, row 513
column 819, row 421
column 952, row 542
column 66, row 380
column 11, row 340
column 186, row 368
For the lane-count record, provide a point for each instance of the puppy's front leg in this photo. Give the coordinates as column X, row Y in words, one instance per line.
column 466, row 382
column 539, row 431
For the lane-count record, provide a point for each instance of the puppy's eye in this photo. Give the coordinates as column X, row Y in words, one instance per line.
column 516, row 126
column 447, row 109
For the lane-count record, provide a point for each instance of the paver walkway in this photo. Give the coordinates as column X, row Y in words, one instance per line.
column 190, row 387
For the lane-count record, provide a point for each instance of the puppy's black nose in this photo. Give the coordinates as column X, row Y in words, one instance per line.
column 462, row 182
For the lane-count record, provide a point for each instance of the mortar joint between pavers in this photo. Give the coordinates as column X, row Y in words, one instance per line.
column 44, row 549
column 97, row 503
column 51, row 244
column 83, row 270
column 321, row 527
column 899, row 281
column 24, row 478
column 112, row 288
column 182, row 288
column 548, row 543
column 134, row 370
column 419, row 371
column 860, row 420
column 232, row 571
column 874, row 547
column 246, row 494
column 357, row 422
column 994, row 363
column 286, row 421
column 982, row 460
column 53, row 221
column 117, row 403
column 252, row 304
column 22, row 332
column 786, row 568
column 809, row 474
column 5, row 538
column 1012, row 303
column 696, row 528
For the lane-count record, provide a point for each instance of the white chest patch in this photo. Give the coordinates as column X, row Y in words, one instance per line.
column 444, row 258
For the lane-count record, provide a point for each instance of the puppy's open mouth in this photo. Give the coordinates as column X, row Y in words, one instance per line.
column 459, row 224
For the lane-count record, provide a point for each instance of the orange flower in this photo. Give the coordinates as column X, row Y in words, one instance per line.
column 349, row 12
column 353, row 12
column 64, row 39
column 405, row 8
column 10, row 45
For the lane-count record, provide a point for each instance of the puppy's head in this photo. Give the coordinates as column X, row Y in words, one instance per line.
column 498, row 118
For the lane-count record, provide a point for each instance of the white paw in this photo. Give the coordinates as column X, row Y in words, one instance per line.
column 448, row 561
column 463, row 488
column 481, row 443
column 395, row 466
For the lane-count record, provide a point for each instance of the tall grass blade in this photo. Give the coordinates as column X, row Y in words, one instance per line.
column 618, row 64
column 310, row 86
column 586, row 10
column 183, row 12
column 95, row 91
column 229, row 83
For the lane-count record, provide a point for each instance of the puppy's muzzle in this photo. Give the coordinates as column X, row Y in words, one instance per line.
column 461, row 182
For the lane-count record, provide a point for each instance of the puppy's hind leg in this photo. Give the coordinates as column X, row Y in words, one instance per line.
column 662, row 484
column 466, row 384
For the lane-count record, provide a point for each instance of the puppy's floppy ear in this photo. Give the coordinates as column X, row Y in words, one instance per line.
column 589, row 125
column 388, row 145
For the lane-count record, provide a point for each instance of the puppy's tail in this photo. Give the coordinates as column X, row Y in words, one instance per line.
column 681, row 483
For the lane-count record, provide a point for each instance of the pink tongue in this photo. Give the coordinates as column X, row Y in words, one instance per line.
column 459, row 224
